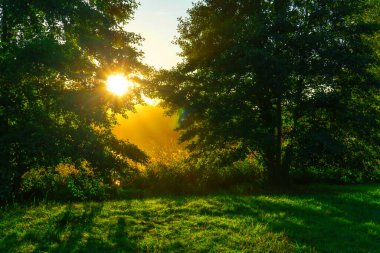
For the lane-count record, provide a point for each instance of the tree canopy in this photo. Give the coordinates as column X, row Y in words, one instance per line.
column 289, row 81
column 54, row 58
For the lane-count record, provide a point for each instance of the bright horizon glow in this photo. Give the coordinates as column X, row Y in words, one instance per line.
column 119, row 84
column 157, row 22
column 149, row 127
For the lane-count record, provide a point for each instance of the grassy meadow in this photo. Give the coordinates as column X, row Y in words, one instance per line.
column 313, row 219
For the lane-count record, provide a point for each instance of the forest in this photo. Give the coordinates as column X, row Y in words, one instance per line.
column 278, row 106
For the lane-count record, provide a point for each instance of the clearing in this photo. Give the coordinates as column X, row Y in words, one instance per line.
column 320, row 219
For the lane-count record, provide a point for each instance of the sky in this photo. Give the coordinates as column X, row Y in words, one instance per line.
column 156, row 21
column 149, row 127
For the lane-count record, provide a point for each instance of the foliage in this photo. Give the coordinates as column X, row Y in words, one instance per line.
column 54, row 58
column 204, row 175
column 334, row 175
column 64, row 182
column 216, row 172
column 320, row 219
column 291, row 80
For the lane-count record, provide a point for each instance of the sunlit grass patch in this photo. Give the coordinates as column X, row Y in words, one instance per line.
column 327, row 219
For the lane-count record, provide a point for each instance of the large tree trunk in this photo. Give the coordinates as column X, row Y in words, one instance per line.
column 271, row 161
column 278, row 174
column 283, row 171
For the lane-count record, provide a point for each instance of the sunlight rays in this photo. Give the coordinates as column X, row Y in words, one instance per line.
column 119, row 85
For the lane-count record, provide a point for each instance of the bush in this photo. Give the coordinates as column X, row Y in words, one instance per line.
column 200, row 175
column 240, row 173
column 334, row 174
column 175, row 178
column 64, row 182
column 332, row 159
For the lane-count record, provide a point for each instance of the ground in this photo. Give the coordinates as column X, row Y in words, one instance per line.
column 316, row 219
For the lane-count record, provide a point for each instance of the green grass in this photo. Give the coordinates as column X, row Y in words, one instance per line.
column 320, row 219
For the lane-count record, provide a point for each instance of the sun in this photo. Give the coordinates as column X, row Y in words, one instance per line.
column 119, row 84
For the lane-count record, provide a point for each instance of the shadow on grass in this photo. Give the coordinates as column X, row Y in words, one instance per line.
column 66, row 230
column 70, row 230
column 331, row 221
column 325, row 223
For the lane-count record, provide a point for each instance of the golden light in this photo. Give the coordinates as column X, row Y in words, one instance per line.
column 117, row 182
column 150, row 101
column 119, row 85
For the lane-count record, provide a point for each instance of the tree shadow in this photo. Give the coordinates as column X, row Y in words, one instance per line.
column 342, row 221
column 327, row 224
column 10, row 217
column 72, row 230
column 119, row 236
column 66, row 230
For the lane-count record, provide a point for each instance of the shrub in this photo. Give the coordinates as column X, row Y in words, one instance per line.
column 334, row 174
column 215, row 175
column 209, row 173
column 37, row 182
column 64, row 181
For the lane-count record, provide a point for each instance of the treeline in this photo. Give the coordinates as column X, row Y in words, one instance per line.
column 275, row 91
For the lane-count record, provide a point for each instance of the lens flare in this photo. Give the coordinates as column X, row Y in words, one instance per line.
column 182, row 114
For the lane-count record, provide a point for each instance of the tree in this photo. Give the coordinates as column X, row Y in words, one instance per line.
column 53, row 105
column 288, row 80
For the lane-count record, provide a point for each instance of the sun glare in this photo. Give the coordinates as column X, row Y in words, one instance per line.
column 150, row 101
column 119, row 85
